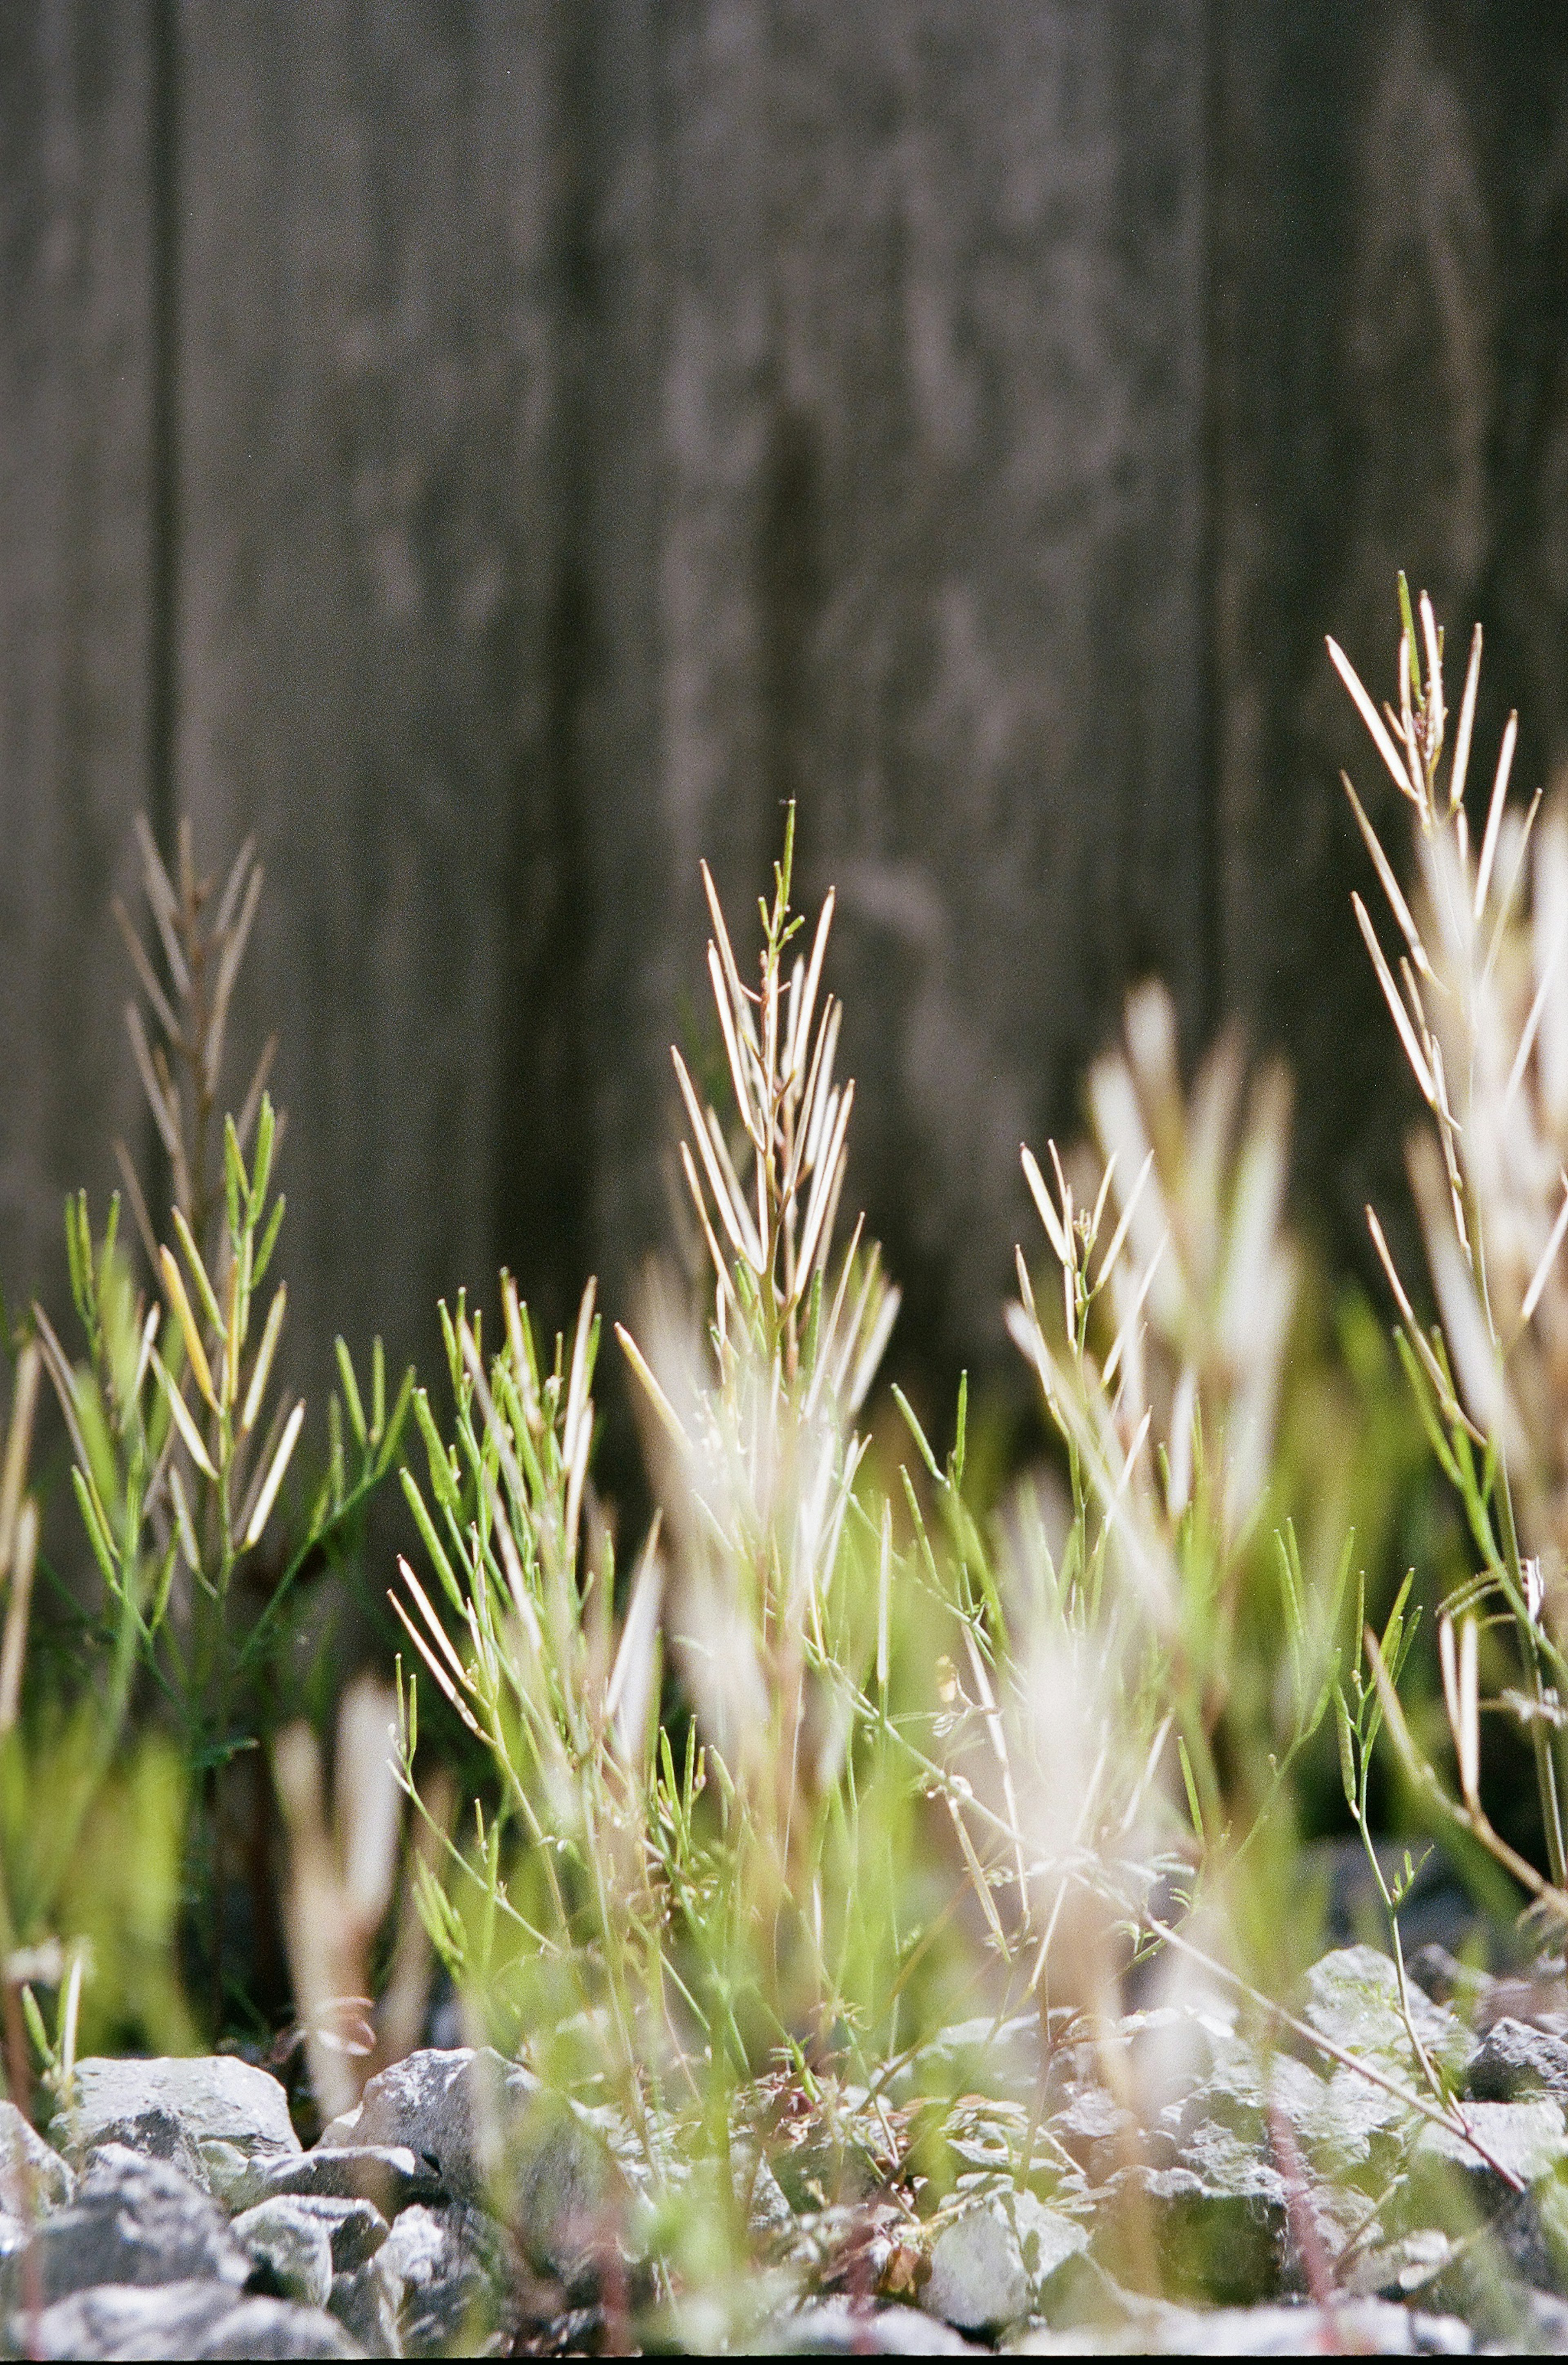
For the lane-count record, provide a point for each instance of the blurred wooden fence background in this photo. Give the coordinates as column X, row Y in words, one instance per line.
column 496, row 449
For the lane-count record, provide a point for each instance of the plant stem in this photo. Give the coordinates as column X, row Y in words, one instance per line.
column 1540, row 1741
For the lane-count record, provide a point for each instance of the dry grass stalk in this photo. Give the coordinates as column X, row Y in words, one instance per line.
column 181, row 1061
column 1158, row 1351
column 1479, row 1002
column 751, row 1432
column 340, row 1882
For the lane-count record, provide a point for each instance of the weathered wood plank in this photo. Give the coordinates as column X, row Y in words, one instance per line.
column 74, row 523
column 1389, row 355
column 930, row 553
column 634, row 968
column 594, row 426
column 814, row 396
column 371, row 578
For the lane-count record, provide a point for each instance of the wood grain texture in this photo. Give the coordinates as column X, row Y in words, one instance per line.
column 991, row 685
column 75, row 280
column 1387, row 357
column 928, row 344
column 370, row 448
column 535, row 441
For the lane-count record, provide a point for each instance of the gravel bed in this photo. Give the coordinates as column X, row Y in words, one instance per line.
column 1280, row 2201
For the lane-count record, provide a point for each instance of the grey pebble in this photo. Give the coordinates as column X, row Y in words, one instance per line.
column 979, row 2281
column 1519, row 2063
column 451, row 2263
column 487, row 2125
column 835, row 2327
column 215, row 2110
column 132, row 2221
column 32, row 2174
column 291, row 2246
column 388, row 2174
column 185, row 2319
column 367, row 2302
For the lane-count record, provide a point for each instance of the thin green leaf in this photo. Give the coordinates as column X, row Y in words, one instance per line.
column 1347, row 1754
column 431, row 1541
column 269, row 1242
column 351, row 1392
column 918, row 1434
column 1193, row 1807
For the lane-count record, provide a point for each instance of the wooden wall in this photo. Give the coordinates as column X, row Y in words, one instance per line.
column 497, row 450
column 1389, row 259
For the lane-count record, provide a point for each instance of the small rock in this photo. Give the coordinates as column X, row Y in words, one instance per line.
column 979, row 2281
column 1517, row 2063
column 977, row 2057
column 1526, row 2139
column 1351, row 2132
column 1219, row 2214
column 1224, row 2242
column 32, row 2176
column 356, row 2230
column 451, row 2263
column 1047, row 2239
column 1097, row 2130
column 293, row 2247
column 1172, row 2050
column 1087, row 2114
column 444, row 2107
column 235, row 2116
column 366, row 2302
column 388, row 2174
column 480, row 2121
column 770, row 2218
column 1445, row 1980
column 1352, row 1998
column 133, row 2221
column 184, row 2319
column 155, row 2133
column 1229, row 2166
column 1402, row 2268
column 839, row 2327
column 1079, row 2296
